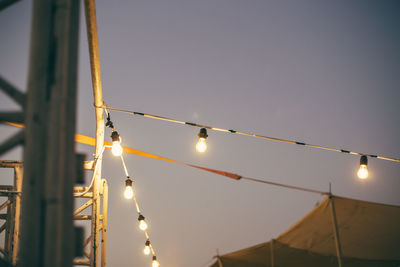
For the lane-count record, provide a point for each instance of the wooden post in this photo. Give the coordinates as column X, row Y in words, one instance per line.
column 336, row 232
column 47, row 199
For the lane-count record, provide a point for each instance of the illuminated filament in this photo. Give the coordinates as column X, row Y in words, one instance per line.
column 201, row 145
column 363, row 171
column 142, row 223
column 116, row 148
column 147, row 249
column 128, row 193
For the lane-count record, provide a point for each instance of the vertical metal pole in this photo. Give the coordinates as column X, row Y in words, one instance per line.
column 104, row 224
column 219, row 262
column 336, row 232
column 9, row 228
column 19, row 171
column 91, row 28
column 272, row 253
column 47, row 199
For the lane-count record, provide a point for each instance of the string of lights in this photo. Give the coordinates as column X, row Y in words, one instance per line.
column 249, row 134
column 201, row 145
column 129, row 192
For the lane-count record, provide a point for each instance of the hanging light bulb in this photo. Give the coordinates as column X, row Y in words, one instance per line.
column 116, row 148
column 155, row 262
column 147, row 249
column 363, row 171
column 128, row 193
column 201, row 145
column 142, row 223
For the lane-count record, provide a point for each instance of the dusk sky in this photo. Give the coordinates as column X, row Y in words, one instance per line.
column 320, row 72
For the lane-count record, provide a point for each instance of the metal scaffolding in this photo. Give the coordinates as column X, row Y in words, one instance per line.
column 48, row 236
column 13, row 211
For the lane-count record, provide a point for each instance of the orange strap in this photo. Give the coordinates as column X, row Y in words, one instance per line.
column 87, row 140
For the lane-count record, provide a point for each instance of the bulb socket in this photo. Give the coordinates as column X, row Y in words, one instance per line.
column 128, row 182
column 141, row 217
column 364, row 160
column 147, row 243
column 154, row 258
column 203, row 133
column 115, row 136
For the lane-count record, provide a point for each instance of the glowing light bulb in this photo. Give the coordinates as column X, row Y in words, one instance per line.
column 155, row 262
column 201, row 145
column 128, row 193
column 147, row 249
column 363, row 171
column 142, row 223
column 116, row 148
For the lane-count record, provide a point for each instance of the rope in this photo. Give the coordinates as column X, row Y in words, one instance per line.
column 286, row 186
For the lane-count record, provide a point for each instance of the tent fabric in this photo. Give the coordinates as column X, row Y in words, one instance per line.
column 285, row 256
column 369, row 235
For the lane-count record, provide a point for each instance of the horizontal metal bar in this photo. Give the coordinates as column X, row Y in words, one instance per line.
column 86, row 195
column 82, row 217
column 88, row 165
column 81, row 262
column 6, row 193
column 80, row 189
column 7, row 188
column 11, row 163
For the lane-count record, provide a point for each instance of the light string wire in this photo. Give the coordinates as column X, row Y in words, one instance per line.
column 137, row 205
column 251, row 134
column 111, row 125
column 96, row 167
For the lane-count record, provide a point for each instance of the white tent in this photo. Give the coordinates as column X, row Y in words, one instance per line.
column 338, row 232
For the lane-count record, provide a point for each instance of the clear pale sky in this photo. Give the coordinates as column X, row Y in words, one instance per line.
column 321, row 72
